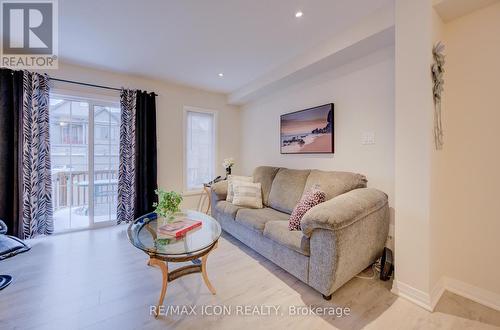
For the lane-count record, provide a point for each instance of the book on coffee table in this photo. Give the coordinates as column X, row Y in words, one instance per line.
column 178, row 228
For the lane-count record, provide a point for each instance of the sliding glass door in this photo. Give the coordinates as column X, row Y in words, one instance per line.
column 106, row 152
column 84, row 136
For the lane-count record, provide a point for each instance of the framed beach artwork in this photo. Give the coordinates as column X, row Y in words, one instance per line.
column 308, row 131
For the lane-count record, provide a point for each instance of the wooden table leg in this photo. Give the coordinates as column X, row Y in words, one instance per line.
column 164, row 270
column 204, row 273
column 207, row 191
column 151, row 231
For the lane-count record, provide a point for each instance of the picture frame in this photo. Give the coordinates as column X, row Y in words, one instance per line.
column 308, row 131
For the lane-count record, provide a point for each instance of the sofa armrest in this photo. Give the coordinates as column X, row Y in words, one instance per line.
column 219, row 191
column 343, row 210
column 347, row 234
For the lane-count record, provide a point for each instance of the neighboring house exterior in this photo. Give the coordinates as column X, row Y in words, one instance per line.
column 69, row 130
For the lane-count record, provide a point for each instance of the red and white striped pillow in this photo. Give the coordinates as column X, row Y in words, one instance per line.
column 310, row 199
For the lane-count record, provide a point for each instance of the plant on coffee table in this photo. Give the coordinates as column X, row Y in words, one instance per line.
column 168, row 203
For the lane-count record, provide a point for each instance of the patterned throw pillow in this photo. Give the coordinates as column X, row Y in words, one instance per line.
column 310, row 199
column 247, row 194
column 230, row 182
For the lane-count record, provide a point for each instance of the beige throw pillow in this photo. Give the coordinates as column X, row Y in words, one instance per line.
column 230, row 181
column 247, row 194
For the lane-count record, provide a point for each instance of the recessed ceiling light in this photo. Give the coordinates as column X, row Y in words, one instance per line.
column 221, row 74
column 299, row 14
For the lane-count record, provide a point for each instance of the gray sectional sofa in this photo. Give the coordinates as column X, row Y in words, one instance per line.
column 339, row 237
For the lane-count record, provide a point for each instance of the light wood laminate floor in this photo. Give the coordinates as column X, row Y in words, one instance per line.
column 98, row 280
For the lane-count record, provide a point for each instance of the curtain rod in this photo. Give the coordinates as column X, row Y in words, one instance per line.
column 89, row 85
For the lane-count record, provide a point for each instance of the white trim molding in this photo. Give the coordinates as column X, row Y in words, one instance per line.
column 437, row 292
column 479, row 295
column 429, row 301
column 412, row 294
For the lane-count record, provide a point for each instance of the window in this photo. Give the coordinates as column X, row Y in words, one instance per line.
column 71, row 134
column 84, row 147
column 199, row 147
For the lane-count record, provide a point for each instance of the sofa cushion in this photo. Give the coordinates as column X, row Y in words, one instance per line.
column 265, row 175
column 287, row 188
column 278, row 231
column 247, row 194
column 256, row 218
column 335, row 183
column 227, row 208
column 219, row 189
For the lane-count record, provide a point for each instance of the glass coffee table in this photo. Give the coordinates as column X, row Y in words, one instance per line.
column 195, row 245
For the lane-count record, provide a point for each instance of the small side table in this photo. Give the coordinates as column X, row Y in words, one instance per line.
column 204, row 197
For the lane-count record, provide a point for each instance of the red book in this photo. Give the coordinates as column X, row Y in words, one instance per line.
column 179, row 227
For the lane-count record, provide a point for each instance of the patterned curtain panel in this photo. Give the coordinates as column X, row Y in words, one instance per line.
column 36, row 175
column 126, row 175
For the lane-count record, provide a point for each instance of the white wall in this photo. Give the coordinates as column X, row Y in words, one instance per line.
column 436, row 257
column 363, row 94
column 446, row 214
column 169, row 109
column 413, row 140
column 468, row 177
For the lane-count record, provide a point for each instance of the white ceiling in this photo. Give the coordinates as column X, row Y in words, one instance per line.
column 191, row 41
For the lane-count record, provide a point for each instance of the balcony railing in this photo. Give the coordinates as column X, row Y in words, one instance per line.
column 71, row 188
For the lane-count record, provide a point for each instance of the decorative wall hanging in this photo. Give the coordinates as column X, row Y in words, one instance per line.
column 438, row 81
column 308, row 131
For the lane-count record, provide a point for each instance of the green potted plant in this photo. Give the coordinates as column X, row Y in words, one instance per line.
column 168, row 204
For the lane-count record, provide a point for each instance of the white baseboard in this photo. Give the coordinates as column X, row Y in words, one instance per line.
column 437, row 292
column 481, row 296
column 416, row 296
column 429, row 301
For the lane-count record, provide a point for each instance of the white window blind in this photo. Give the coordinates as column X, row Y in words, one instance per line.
column 200, row 148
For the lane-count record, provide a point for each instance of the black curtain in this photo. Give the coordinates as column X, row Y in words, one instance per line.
column 11, row 100
column 145, row 153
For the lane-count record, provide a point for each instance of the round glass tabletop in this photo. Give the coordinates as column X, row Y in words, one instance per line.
column 143, row 234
